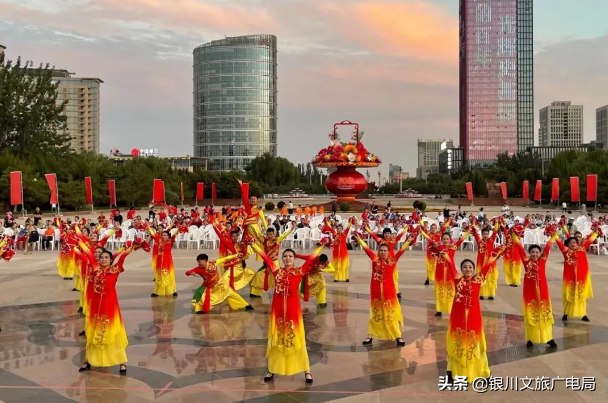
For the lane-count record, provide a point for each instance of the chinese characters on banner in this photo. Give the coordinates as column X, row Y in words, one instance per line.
column 148, row 152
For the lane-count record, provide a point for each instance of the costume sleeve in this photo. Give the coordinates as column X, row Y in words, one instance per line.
column 520, row 247
column 122, row 257
column 285, row 234
column 561, row 245
column 566, row 232
column 486, row 268
column 590, row 239
column 372, row 234
column 329, row 269
column 366, row 248
column 263, row 218
column 462, row 239
column 303, row 257
column 400, row 234
column 494, row 232
column 402, row 250
column 196, row 270
column 225, row 259
column 245, row 197
column 311, row 259
column 549, row 245
column 87, row 252
column 268, row 261
column 445, row 226
column 475, row 234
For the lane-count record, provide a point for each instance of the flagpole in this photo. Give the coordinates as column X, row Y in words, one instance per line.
column 57, row 192
column 22, row 199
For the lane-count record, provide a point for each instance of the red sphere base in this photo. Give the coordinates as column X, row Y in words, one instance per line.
column 346, row 183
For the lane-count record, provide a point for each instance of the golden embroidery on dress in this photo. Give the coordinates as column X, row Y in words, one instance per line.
column 101, row 327
column 465, row 342
column 286, row 333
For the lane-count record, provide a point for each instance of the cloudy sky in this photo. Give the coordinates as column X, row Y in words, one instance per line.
column 391, row 65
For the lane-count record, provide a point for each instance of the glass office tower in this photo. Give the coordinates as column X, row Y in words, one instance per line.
column 235, row 100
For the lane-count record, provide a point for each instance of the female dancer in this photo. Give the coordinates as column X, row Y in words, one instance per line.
column 390, row 241
column 262, row 280
column 538, row 314
column 444, row 286
column 106, row 336
column 466, row 341
column 340, row 258
column 66, row 263
column 485, row 246
column 433, row 236
column 576, row 287
column 239, row 275
column 251, row 225
column 286, row 349
column 512, row 260
column 164, row 278
column 385, row 318
column 217, row 289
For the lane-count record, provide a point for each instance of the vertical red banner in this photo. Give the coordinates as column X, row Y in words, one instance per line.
column 16, row 188
column 51, row 180
column 470, row 191
column 213, row 193
column 592, row 188
column 555, row 190
column 575, row 195
column 538, row 190
column 200, row 187
column 159, row 191
column 112, row 192
column 182, row 191
column 503, row 189
column 526, row 191
column 88, row 189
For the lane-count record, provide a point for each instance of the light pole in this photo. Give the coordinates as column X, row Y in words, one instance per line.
column 400, row 180
column 379, row 179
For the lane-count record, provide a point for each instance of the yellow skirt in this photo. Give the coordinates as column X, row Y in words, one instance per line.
column 258, row 279
column 488, row 288
column 444, row 296
column 385, row 320
column 164, row 282
column 291, row 359
column 108, row 355
column 431, row 265
column 512, row 272
column 538, row 321
column 341, row 266
column 472, row 364
column 396, row 279
column 575, row 297
column 65, row 266
column 220, row 293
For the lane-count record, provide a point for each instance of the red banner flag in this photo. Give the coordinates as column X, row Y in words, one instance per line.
column 470, row 191
column 503, row 189
column 112, row 192
column 51, row 180
column 159, row 191
column 555, row 190
column 88, row 189
column 200, row 187
column 575, row 195
column 538, row 190
column 592, row 188
column 526, row 191
column 16, row 188
column 182, row 191
column 213, row 193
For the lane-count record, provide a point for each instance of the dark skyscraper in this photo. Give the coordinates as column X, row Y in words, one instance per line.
column 235, row 100
column 496, row 80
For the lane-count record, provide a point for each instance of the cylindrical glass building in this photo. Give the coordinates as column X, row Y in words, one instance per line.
column 235, row 100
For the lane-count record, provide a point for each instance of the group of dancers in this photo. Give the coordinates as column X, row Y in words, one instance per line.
column 95, row 271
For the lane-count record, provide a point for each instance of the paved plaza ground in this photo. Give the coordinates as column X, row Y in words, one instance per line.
column 220, row 357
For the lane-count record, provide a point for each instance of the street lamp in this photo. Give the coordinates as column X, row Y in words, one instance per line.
column 400, row 180
column 379, row 179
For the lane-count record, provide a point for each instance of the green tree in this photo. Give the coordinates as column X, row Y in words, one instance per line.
column 31, row 120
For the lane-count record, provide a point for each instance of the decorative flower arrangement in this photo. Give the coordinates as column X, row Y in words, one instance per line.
column 353, row 152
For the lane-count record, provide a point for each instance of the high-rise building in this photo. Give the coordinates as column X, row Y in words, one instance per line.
column 428, row 156
column 2, row 47
column 235, row 100
column 561, row 125
column 601, row 126
column 496, row 78
column 82, row 110
column 394, row 173
column 451, row 160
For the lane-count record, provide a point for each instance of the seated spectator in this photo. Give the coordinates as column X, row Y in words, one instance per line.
column 47, row 238
column 33, row 238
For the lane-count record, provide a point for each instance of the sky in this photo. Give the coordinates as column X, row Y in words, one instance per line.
column 390, row 65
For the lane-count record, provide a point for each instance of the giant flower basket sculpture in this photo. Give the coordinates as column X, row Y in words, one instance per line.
column 345, row 182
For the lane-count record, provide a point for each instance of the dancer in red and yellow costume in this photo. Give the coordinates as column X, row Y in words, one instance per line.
column 385, row 317
column 485, row 250
column 576, row 286
column 263, row 279
column 433, row 236
column 444, row 286
column 217, row 289
column 164, row 273
column 239, row 276
column 251, row 225
column 537, row 310
column 106, row 336
column 389, row 240
column 286, row 351
column 340, row 259
column 66, row 263
column 466, row 340
column 92, row 242
column 512, row 260
column 317, row 287
column 6, row 250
